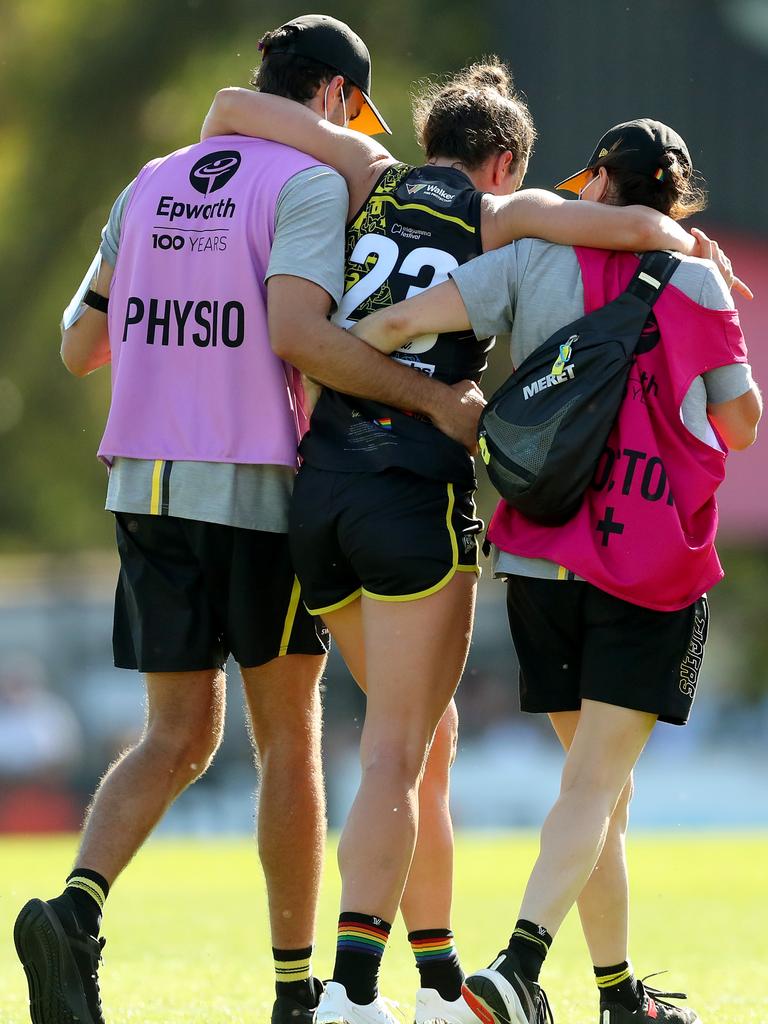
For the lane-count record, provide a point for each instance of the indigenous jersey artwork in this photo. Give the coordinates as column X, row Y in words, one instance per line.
column 418, row 224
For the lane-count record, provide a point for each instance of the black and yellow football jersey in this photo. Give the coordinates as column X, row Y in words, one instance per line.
column 417, row 225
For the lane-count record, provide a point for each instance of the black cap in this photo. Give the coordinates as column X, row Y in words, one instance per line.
column 331, row 42
column 636, row 146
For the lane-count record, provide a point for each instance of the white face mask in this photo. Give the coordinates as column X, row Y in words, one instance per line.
column 343, row 105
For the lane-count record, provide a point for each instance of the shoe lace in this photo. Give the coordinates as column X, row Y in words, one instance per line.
column 93, row 948
column 658, row 995
column 544, row 1010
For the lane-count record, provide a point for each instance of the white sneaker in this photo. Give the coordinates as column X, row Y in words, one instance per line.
column 335, row 1007
column 431, row 1007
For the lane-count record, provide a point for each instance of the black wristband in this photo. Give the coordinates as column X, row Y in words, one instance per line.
column 96, row 301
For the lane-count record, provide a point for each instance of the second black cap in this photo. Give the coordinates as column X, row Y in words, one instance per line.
column 636, row 146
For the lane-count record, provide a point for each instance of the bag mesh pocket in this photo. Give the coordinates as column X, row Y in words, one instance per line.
column 528, row 446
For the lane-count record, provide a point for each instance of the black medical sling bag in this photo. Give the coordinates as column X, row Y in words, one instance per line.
column 543, row 432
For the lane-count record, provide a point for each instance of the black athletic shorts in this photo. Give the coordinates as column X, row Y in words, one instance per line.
column 575, row 642
column 393, row 535
column 191, row 593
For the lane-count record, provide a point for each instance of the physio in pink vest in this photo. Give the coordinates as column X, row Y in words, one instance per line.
column 608, row 612
column 221, row 263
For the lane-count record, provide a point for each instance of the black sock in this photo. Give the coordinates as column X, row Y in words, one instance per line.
column 530, row 943
column 359, row 948
column 618, row 985
column 84, row 897
column 437, row 961
column 293, row 975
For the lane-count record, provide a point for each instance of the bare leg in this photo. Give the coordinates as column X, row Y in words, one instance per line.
column 414, row 656
column 428, row 894
column 185, row 717
column 607, row 742
column 604, row 900
column 284, row 704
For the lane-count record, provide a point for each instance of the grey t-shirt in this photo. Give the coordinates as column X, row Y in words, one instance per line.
column 310, row 223
column 531, row 289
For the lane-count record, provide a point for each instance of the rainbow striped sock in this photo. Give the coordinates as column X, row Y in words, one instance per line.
column 360, row 945
column 437, row 961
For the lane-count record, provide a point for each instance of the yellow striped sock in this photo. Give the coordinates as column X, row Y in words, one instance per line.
column 607, row 980
column 292, row 965
column 87, row 885
column 521, row 933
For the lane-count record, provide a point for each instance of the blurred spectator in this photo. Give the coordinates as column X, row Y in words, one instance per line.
column 39, row 746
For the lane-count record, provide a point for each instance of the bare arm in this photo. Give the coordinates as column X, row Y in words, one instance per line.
column 85, row 345
column 358, row 158
column 536, row 213
column 437, row 310
column 737, row 420
column 301, row 334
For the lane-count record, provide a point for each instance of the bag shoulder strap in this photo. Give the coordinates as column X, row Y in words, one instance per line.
column 652, row 275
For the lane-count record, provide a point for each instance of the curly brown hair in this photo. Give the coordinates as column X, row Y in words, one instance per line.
column 473, row 115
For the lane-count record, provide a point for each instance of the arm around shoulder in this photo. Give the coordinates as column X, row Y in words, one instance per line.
column 536, row 213
column 359, row 158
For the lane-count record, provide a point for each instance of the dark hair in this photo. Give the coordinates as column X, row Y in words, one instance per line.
column 473, row 115
column 679, row 193
column 290, row 75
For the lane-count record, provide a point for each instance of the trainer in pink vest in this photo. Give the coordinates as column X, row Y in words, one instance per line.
column 646, row 529
column 194, row 377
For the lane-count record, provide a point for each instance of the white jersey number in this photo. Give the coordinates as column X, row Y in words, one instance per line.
column 387, row 253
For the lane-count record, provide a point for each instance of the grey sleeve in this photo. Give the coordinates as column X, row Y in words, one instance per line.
column 310, row 224
column 714, row 291
column 110, row 235
column 488, row 288
column 727, row 382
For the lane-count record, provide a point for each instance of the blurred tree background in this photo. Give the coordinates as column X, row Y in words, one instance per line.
column 97, row 90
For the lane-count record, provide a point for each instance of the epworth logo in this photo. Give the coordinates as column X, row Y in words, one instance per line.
column 213, row 171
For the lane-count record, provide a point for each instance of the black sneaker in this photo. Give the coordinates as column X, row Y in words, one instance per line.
column 289, row 1011
column 654, row 1009
column 501, row 994
column 61, row 966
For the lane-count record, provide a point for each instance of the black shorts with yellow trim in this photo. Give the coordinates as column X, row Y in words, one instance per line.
column 391, row 536
column 190, row 594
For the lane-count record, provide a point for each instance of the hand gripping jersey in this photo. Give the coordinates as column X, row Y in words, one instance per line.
column 194, row 377
column 646, row 529
column 418, row 224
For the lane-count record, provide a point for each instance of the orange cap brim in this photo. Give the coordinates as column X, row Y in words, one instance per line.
column 576, row 182
column 369, row 121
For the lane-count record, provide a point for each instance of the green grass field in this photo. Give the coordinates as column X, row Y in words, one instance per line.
column 188, row 941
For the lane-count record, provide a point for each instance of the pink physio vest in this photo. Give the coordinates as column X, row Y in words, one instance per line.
column 646, row 529
column 193, row 375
